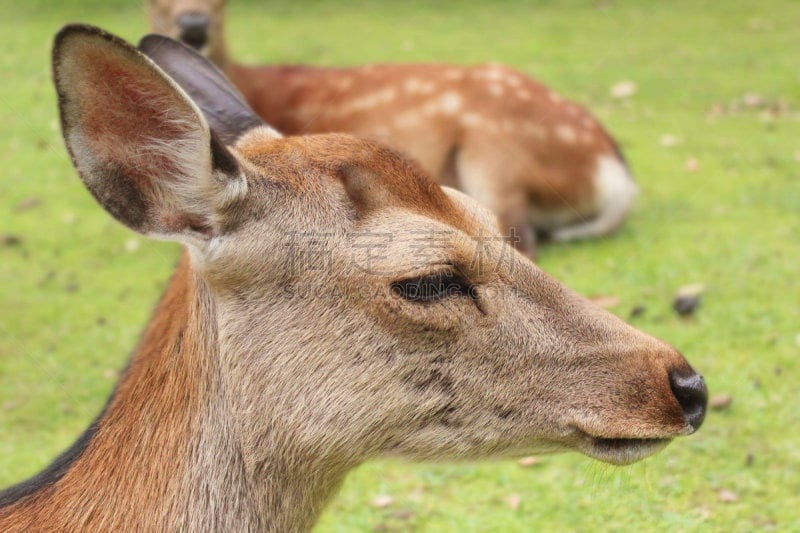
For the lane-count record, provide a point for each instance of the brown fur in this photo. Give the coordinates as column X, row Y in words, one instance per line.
column 509, row 141
column 125, row 461
column 273, row 366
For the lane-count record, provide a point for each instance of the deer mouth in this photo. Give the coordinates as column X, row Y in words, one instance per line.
column 619, row 451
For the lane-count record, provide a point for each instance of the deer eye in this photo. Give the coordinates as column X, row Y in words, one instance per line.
column 432, row 287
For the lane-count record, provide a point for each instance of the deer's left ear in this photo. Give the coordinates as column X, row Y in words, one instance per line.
column 139, row 143
column 222, row 105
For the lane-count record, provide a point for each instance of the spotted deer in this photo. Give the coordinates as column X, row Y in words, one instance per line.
column 270, row 369
column 542, row 163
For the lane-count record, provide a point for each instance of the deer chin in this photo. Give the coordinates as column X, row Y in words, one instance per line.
column 619, row 451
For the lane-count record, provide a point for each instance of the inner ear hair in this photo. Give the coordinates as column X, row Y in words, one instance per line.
column 140, row 145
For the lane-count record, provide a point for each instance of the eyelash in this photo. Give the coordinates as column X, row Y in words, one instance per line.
column 432, row 287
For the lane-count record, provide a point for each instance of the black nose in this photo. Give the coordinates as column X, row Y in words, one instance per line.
column 193, row 26
column 690, row 389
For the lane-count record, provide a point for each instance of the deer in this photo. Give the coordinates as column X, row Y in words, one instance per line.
column 543, row 164
column 302, row 333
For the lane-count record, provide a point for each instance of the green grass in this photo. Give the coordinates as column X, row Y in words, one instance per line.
column 75, row 293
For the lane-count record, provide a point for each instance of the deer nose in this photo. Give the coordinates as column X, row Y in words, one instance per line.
column 193, row 27
column 689, row 389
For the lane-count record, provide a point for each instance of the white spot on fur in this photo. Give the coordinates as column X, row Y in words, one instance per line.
column 615, row 191
column 471, row 119
column 450, row 102
column 491, row 72
column 367, row 102
column 566, row 133
column 495, row 89
column 513, row 81
column 344, row 83
column 447, row 104
column 555, row 97
column 453, row 74
column 588, row 123
column 524, row 94
column 494, row 72
column 418, row 86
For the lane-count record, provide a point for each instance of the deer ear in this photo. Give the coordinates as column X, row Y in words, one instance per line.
column 140, row 145
column 222, row 105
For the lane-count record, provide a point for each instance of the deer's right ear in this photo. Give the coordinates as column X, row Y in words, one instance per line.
column 139, row 143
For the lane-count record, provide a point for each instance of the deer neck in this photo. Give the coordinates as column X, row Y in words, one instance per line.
column 165, row 454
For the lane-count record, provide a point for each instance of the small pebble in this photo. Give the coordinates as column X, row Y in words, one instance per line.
column 637, row 311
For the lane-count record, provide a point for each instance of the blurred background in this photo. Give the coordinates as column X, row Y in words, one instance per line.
column 704, row 98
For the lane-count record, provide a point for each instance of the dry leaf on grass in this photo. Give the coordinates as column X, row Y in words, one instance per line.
column 382, row 500
column 131, row 245
column 623, row 89
column 26, row 204
column 605, row 301
column 513, row 501
column 668, row 141
column 720, row 401
column 529, row 461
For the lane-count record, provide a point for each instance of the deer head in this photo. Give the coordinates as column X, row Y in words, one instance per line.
column 198, row 23
column 350, row 307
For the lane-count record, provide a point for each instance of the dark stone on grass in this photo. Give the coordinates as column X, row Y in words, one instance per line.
column 686, row 304
column 11, row 240
column 71, row 287
column 637, row 311
column 26, row 204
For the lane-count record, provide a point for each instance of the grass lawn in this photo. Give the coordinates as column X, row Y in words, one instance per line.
column 712, row 133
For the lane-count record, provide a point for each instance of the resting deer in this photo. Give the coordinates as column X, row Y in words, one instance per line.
column 541, row 163
column 270, row 369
